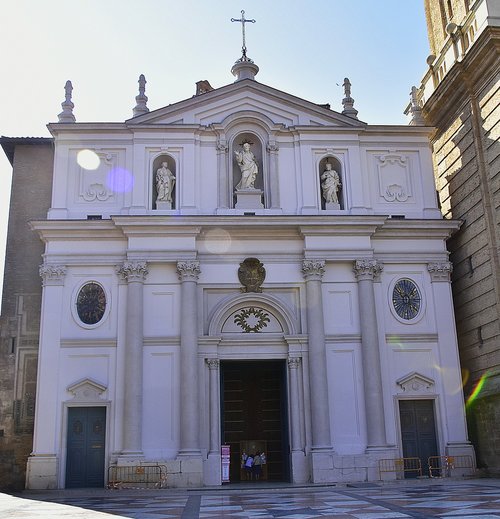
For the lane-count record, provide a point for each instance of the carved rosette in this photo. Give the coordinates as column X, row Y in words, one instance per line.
column 213, row 363
column 188, row 270
column 133, row 271
column 440, row 271
column 52, row 274
column 313, row 269
column 294, row 362
column 367, row 269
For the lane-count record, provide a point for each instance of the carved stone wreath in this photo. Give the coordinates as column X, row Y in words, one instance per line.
column 251, row 319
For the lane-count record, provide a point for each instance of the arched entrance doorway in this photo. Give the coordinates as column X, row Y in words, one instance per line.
column 254, row 417
column 253, row 332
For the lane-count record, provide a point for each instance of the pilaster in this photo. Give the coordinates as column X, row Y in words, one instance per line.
column 449, row 362
column 366, row 270
column 313, row 271
column 43, row 463
column 134, row 272
column 188, row 273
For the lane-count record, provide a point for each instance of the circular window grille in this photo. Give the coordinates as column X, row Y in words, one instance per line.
column 406, row 299
column 91, row 303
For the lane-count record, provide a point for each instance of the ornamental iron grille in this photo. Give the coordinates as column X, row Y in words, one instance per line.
column 406, row 299
column 91, row 303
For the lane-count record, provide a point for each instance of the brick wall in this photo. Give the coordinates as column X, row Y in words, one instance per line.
column 20, row 318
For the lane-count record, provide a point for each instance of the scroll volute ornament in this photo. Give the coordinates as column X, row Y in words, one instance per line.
column 251, row 275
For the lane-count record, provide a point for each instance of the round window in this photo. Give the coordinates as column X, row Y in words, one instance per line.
column 406, row 299
column 91, row 303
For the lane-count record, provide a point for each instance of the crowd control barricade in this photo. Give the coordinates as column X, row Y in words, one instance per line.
column 400, row 466
column 447, row 466
column 137, row 476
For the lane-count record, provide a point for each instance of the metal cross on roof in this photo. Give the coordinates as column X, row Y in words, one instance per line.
column 243, row 21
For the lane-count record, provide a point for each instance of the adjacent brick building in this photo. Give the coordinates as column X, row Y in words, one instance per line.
column 32, row 160
column 460, row 96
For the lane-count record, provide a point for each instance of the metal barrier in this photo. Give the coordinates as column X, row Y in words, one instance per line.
column 445, row 465
column 401, row 465
column 137, row 476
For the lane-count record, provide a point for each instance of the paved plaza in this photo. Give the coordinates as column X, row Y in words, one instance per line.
column 472, row 499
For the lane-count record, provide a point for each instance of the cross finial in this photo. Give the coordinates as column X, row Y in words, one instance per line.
column 243, row 21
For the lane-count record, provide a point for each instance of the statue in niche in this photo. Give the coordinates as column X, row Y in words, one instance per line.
column 330, row 185
column 165, row 181
column 248, row 166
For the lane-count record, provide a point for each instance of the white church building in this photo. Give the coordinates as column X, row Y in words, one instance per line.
column 243, row 268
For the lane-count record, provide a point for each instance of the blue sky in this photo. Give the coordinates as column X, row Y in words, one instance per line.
column 303, row 47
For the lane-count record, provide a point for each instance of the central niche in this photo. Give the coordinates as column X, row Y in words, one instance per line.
column 331, row 184
column 164, row 180
column 248, row 171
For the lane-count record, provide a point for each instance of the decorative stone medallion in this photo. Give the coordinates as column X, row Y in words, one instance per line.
column 251, row 320
column 91, row 303
column 251, row 275
column 406, row 299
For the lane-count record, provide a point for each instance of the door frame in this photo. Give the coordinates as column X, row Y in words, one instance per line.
column 437, row 421
column 64, row 438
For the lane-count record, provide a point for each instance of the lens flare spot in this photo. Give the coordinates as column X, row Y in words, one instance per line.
column 217, row 241
column 477, row 389
column 465, row 376
column 120, row 180
column 88, row 159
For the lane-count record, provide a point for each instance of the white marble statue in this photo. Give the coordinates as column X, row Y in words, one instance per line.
column 330, row 185
column 165, row 181
column 249, row 168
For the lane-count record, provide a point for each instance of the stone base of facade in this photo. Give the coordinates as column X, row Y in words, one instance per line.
column 41, row 472
column 212, row 470
column 130, row 458
column 329, row 467
column 466, row 451
column 300, row 468
column 185, row 473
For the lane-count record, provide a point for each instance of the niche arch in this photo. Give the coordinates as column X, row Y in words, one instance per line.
column 337, row 166
column 172, row 166
column 257, row 148
column 260, row 130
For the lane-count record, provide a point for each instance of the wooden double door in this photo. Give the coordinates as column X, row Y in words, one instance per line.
column 418, row 432
column 254, row 412
column 85, row 447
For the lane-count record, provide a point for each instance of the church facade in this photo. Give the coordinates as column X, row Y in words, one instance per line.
column 243, row 268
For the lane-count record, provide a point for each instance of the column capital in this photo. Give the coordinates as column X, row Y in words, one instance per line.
column 222, row 146
column 313, row 269
column 272, row 147
column 212, row 363
column 52, row 274
column 440, row 271
column 133, row 271
column 294, row 362
column 367, row 269
column 188, row 270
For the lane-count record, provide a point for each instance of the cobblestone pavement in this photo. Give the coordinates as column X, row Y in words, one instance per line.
column 471, row 499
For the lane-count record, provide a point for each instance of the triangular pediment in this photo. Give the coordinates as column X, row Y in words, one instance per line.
column 87, row 390
column 415, row 383
column 246, row 96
